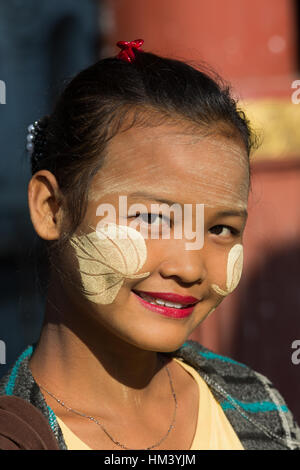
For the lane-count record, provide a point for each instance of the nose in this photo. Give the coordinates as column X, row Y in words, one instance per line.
column 186, row 265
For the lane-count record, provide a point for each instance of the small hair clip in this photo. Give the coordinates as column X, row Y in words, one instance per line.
column 127, row 53
column 36, row 141
column 31, row 136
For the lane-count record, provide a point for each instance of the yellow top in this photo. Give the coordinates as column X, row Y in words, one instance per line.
column 213, row 432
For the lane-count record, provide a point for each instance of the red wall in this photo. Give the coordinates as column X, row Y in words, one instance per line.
column 251, row 43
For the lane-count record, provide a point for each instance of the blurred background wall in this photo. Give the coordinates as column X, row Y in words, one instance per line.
column 42, row 44
column 254, row 45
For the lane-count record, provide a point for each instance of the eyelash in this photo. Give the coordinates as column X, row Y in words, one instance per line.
column 150, row 214
column 235, row 232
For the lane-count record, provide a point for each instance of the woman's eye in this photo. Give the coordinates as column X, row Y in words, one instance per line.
column 151, row 218
column 224, row 230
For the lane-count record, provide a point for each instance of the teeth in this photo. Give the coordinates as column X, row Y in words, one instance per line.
column 161, row 302
column 173, row 304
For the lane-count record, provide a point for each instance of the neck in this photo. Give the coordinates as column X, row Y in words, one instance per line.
column 84, row 364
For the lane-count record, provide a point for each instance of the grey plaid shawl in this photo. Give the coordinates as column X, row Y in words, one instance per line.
column 255, row 409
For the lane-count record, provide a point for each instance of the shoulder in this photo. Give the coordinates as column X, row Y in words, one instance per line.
column 244, row 393
column 18, row 382
column 23, row 426
column 213, row 365
column 18, row 379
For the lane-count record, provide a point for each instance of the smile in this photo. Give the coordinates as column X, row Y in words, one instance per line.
column 163, row 307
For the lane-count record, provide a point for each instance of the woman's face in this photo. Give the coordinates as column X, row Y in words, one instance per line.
column 208, row 180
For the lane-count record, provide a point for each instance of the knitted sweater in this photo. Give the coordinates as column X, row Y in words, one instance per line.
column 255, row 409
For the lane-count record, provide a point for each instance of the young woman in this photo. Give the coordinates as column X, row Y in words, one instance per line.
column 131, row 137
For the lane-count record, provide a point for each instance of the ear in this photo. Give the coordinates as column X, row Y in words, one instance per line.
column 44, row 201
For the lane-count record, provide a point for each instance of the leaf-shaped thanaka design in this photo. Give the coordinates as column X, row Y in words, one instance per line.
column 106, row 257
column 234, row 270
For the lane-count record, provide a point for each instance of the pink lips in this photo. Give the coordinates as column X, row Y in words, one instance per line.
column 171, row 297
column 169, row 311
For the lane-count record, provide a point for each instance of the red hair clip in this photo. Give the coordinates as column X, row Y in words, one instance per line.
column 127, row 47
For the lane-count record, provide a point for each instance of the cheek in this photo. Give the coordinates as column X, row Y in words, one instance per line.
column 232, row 271
column 106, row 257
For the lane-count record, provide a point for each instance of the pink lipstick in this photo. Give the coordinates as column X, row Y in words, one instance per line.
column 148, row 300
column 171, row 297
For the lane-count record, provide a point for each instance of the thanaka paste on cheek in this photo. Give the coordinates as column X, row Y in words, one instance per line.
column 106, row 257
column 234, row 270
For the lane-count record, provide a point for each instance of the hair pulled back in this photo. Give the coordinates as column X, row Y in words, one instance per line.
column 99, row 100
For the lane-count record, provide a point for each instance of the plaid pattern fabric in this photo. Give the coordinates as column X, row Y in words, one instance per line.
column 253, row 406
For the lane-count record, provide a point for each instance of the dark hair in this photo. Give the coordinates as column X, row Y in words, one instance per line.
column 101, row 99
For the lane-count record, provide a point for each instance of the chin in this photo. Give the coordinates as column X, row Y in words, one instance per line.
column 145, row 329
column 159, row 340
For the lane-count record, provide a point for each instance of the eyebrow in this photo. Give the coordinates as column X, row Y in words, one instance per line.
column 224, row 213
column 233, row 213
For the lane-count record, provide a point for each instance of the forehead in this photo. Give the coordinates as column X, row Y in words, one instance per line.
column 171, row 162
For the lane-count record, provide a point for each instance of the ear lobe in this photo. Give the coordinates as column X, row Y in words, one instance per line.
column 44, row 205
